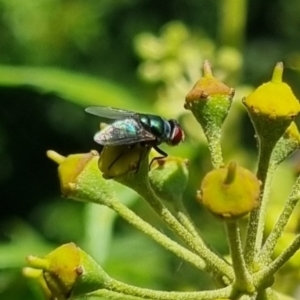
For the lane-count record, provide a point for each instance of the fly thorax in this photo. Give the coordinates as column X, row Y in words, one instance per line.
column 157, row 126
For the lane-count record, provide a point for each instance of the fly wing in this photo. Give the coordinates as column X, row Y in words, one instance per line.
column 110, row 112
column 128, row 131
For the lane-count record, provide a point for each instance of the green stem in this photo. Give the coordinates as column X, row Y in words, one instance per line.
column 213, row 135
column 185, row 219
column 232, row 22
column 156, row 235
column 257, row 216
column 264, row 203
column 268, row 294
column 195, row 243
column 245, row 297
column 127, row 289
column 268, row 272
column 140, row 183
column 276, row 232
column 243, row 279
column 107, row 294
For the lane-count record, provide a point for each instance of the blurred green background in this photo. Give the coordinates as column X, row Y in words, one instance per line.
column 59, row 56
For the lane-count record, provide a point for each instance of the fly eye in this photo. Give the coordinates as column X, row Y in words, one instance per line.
column 177, row 136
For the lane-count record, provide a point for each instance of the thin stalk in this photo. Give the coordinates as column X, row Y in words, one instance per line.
column 184, row 218
column 140, row 183
column 107, row 294
column 268, row 294
column 245, row 297
column 127, row 289
column 213, row 136
column 271, row 269
column 243, row 279
column 196, row 244
column 156, row 235
column 232, row 22
column 264, row 204
column 276, row 232
column 256, row 222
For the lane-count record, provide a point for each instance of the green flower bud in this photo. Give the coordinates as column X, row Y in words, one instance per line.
column 68, row 272
column 169, row 177
column 230, row 192
column 81, row 179
column 272, row 107
column 210, row 101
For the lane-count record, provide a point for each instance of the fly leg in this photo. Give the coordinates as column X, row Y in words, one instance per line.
column 142, row 156
column 161, row 152
column 116, row 159
column 121, row 154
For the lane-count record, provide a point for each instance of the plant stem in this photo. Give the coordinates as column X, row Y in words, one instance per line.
column 127, row 289
column 111, row 295
column 185, row 219
column 232, row 22
column 276, row 232
column 245, row 297
column 268, row 272
column 197, row 245
column 243, row 279
column 213, row 135
column 156, row 235
column 256, row 222
column 268, row 294
column 263, row 206
column 140, row 183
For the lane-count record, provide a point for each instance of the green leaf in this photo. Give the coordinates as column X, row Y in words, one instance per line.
column 78, row 88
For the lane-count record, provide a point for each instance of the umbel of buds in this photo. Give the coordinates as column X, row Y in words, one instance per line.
column 230, row 192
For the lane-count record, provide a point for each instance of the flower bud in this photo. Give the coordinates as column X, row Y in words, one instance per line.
column 169, row 177
column 81, row 179
column 272, row 107
column 69, row 272
column 230, row 192
column 209, row 100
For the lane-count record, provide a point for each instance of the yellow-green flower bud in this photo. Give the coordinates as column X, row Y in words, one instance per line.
column 69, row 272
column 272, row 107
column 230, row 192
column 209, row 100
column 81, row 179
column 168, row 177
column 116, row 161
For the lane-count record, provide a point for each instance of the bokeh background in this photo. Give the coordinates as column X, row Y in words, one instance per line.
column 59, row 56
